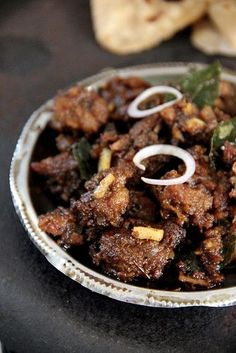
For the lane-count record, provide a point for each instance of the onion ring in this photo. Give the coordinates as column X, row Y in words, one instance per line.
column 154, row 150
column 133, row 110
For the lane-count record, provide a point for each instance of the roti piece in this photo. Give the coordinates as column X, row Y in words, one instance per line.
column 209, row 39
column 223, row 14
column 129, row 26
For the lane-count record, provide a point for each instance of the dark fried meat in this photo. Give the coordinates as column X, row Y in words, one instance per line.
column 232, row 180
column 64, row 142
column 145, row 132
column 62, row 174
column 142, row 133
column 211, row 254
column 189, row 124
column 184, row 120
column 227, row 98
column 127, row 258
column 201, row 201
column 203, row 268
column 105, row 139
column 230, row 242
column 62, row 225
column 79, row 109
column 192, row 280
column 120, row 92
column 141, row 207
column 215, row 181
column 189, row 203
column 108, row 206
column 229, row 152
column 51, row 166
column 221, row 197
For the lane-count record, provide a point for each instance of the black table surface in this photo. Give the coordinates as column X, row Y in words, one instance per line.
column 46, row 45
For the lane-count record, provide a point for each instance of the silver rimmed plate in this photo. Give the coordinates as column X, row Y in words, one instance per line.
column 19, row 184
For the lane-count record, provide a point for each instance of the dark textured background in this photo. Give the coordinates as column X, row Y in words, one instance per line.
column 46, row 45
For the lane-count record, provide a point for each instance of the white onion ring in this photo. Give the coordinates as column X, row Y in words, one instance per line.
column 133, row 110
column 154, row 150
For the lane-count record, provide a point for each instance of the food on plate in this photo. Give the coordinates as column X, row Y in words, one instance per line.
column 207, row 37
column 147, row 198
column 124, row 27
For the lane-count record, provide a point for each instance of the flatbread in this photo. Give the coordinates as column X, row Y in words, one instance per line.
column 206, row 37
column 129, row 26
column 223, row 14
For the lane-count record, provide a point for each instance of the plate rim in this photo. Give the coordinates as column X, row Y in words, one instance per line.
column 63, row 261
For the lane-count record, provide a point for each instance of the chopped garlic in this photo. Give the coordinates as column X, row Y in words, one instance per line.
column 104, row 160
column 188, row 108
column 103, row 186
column 195, row 123
column 148, row 233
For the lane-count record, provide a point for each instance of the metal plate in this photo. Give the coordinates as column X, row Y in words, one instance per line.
column 60, row 259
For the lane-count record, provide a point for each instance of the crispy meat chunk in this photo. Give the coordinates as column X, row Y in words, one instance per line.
column 120, row 92
column 107, row 198
column 202, row 269
column 105, row 139
column 79, row 109
column 209, row 116
column 229, row 250
column 62, row 174
column 124, row 146
column 211, row 254
column 229, row 152
column 62, row 225
column 145, row 132
column 202, row 200
column 127, row 258
column 220, row 197
column 141, row 207
column 65, row 141
column 189, row 124
column 215, row 181
column 184, row 120
column 141, row 134
column 232, row 180
column 192, row 277
column 188, row 203
column 227, row 98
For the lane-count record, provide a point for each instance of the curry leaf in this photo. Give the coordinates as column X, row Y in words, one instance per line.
column 81, row 153
column 191, row 262
column 229, row 249
column 225, row 131
column 203, row 85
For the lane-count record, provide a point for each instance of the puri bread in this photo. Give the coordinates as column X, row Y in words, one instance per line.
column 223, row 14
column 129, row 26
column 207, row 38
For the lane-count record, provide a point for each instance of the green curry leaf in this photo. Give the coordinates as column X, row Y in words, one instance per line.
column 81, row 153
column 225, row 131
column 191, row 263
column 203, row 85
column 229, row 249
